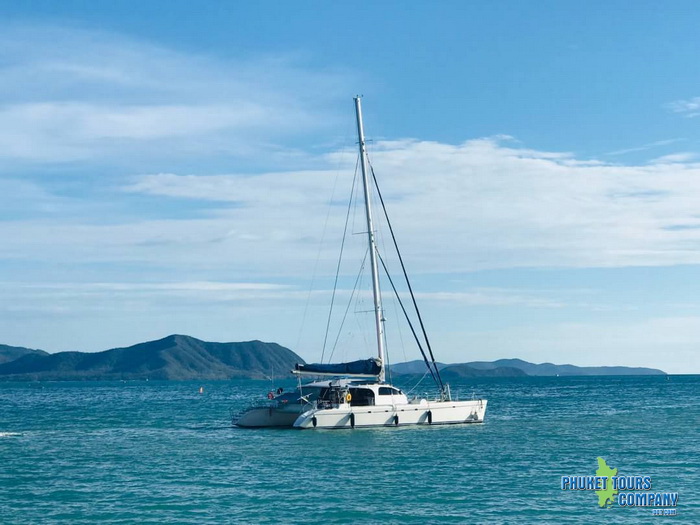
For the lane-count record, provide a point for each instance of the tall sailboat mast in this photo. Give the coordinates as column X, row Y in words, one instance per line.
column 372, row 245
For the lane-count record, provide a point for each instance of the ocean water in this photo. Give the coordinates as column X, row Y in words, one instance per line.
column 160, row 452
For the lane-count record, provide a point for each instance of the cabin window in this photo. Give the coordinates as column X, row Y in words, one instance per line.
column 388, row 391
column 361, row 397
column 331, row 395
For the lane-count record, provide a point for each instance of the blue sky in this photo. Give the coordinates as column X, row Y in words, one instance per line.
column 168, row 167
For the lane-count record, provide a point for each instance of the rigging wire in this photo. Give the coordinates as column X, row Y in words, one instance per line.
column 419, row 382
column 408, row 320
column 393, row 296
column 347, row 308
column 320, row 245
column 340, row 259
column 395, row 313
column 408, row 282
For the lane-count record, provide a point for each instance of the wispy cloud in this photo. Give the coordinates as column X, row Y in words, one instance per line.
column 480, row 204
column 494, row 297
column 162, row 190
column 675, row 158
column 189, row 286
column 61, row 314
column 498, row 206
column 689, row 108
column 78, row 295
column 645, row 147
column 74, row 94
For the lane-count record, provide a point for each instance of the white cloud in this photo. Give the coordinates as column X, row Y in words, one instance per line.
column 493, row 297
column 74, row 94
column 102, row 99
column 191, row 286
column 479, row 204
column 674, row 158
column 689, row 108
column 455, row 208
column 43, row 296
column 297, row 188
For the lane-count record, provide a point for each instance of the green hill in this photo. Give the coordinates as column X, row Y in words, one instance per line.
column 464, row 370
column 517, row 368
column 177, row 357
column 549, row 369
column 10, row 353
column 183, row 357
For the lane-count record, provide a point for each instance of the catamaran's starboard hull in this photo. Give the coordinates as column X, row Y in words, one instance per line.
column 426, row 413
column 267, row 417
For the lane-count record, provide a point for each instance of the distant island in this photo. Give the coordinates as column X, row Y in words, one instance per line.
column 181, row 357
column 518, row 367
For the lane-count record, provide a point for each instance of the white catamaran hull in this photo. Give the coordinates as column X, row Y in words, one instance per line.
column 423, row 413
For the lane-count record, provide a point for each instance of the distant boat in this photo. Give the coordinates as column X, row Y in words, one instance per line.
column 356, row 394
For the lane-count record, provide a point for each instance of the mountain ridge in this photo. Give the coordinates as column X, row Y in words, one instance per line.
column 506, row 367
column 550, row 369
column 182, row 357
column 10, row 353
column 175, row 357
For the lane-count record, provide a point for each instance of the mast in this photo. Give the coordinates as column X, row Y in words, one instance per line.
column 372, row 245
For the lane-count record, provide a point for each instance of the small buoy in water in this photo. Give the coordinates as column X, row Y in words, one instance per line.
column 201, row 389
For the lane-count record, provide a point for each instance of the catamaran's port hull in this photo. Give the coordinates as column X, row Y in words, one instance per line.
column 425, row 413
column 267, row 417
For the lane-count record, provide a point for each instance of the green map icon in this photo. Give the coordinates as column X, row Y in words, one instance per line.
column 606, row 496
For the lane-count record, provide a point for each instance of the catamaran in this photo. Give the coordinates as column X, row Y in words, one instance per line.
column 357, row 394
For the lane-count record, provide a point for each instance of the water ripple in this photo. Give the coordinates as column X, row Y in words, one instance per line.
column 160, row 452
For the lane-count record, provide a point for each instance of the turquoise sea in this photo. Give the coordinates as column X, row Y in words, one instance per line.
column 160, row 452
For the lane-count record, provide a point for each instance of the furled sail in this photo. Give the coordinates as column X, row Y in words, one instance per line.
column 364, row 367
